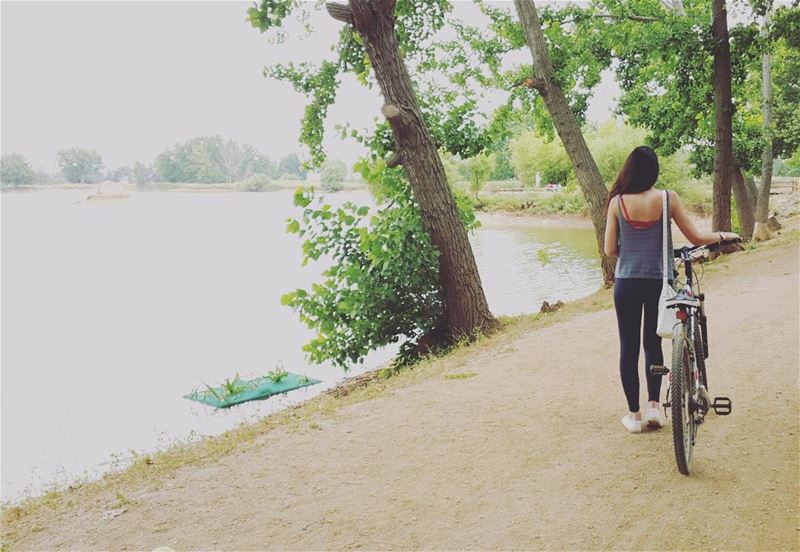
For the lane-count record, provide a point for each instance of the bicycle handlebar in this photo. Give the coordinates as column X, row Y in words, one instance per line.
column 711, row 247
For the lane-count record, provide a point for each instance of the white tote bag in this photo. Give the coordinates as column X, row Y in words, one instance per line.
column 667, row 318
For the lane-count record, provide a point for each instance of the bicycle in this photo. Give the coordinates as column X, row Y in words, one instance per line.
column 687, row 392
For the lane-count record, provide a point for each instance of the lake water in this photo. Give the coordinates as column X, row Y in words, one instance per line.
column 111, row 311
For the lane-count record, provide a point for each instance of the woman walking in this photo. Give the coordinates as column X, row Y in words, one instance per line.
column 634, row 236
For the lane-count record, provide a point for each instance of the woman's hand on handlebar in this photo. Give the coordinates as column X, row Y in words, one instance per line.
column 729, row 237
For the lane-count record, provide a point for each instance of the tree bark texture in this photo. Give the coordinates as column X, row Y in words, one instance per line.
column 586, row 171
column 744, row 207
column 761, row 231
column 752, row 190
column 723, row 143
column 466, row 308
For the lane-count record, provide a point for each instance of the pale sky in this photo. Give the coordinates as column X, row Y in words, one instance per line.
column 131, row 79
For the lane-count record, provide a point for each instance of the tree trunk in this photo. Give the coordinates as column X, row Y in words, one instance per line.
column 466, row 309
column 723, row 143
column 743, row 205
column 761, row 231
column 752, row 190
column 586, row 171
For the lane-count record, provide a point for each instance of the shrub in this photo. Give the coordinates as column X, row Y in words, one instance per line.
column 256, row 183
column 383, row 283
column 332, row 175
column 530, row 154
column 16, row 170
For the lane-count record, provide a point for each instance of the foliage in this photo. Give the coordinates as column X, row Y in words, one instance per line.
column 612, row 142
column 15, row 170
column 332, row 175
column 451, row 114
column 80, row 165
column 292, row 166
column 531, row 153
column 258, row 182
column 142, row 174
column 383, row 284
column 785, row 82
column 210, row 159
column 278, row 373
column 563, row 202
column 118, row 174
column 665, row 71
column 790, row 166
column 43, row 177
column 502, row 169
column 479, row 168
column 383, row 281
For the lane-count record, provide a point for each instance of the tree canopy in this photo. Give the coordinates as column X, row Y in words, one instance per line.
column 79, row 164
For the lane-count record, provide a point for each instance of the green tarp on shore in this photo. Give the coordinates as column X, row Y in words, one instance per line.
column 249, row 390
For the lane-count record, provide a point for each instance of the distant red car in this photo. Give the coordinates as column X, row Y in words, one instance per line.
column 551, row 187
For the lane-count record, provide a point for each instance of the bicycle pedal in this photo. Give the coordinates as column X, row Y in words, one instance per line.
column 722, row 406
column 659, row 370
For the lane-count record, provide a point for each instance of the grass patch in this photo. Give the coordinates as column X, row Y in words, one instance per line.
column 461, row 375
column 696, row 196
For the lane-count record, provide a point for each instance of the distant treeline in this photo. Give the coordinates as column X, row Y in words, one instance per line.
column 206, row 159
column 213, row 160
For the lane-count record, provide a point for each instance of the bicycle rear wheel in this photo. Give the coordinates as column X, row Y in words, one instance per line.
column 681, row 401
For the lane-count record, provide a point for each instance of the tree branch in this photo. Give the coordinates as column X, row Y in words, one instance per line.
column 393, row 161
column 642, row 18
column 390, row 111
column 398, row 119
column 340, row 12
column 530, row 82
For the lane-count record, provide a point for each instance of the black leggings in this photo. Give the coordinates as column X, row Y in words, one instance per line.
column 630, row 295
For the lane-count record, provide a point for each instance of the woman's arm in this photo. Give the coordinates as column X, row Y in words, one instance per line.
column 687, row 227
column 612, row 231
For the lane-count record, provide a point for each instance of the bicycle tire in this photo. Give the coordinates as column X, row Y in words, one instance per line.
column 682, row 418
column 699, row 352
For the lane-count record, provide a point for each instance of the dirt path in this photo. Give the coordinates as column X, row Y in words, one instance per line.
column 528, row 454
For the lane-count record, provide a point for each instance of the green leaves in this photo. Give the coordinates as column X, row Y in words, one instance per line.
column 270, row 13
column 15, row 170
column 382, row 284
column 293, row 226
column 78, row 164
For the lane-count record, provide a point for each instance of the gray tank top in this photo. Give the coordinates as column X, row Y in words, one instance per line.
column 640, row 248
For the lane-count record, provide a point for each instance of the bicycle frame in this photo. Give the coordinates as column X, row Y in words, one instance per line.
column 691, row 317
column 693, row 402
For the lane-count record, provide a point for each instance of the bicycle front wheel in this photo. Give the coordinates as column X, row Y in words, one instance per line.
column 699, row 352
column 681, row 403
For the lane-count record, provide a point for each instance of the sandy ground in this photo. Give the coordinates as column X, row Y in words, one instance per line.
column 528, row 454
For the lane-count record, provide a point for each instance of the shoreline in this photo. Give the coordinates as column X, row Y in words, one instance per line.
column 165, row 473
column 196, row 451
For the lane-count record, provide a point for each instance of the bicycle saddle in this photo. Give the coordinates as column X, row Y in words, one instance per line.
column 682, row 298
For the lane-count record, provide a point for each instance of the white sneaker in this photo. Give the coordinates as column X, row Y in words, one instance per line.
column 634, row 426
column 655, row 419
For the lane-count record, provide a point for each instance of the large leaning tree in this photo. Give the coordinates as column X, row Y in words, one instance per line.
column 550, row 95
column 586, row 170
column 373, row 40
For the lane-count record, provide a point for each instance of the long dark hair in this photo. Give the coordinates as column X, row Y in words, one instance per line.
column 638, row 174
